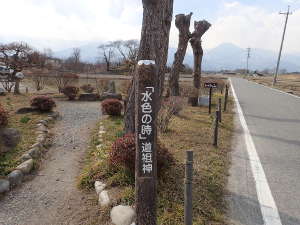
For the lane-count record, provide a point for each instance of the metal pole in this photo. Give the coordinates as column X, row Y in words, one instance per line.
column 281, row 46
column 220, row 110
column 188, row 197
column 216, row 132
column 248, row 57
column 210, row 97
column 226, row 98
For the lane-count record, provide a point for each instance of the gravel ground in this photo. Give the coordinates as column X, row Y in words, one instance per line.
column 51, row 196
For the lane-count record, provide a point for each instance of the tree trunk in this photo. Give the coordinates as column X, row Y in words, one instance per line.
column 17, row 87
column 198, row 55
column 154, row 45
column 182, row 22
column 107, row 66
column 200, row 28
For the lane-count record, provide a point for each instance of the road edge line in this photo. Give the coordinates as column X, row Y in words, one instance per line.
column 266, row 201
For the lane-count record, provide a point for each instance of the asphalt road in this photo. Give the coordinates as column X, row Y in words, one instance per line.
column 273, row 119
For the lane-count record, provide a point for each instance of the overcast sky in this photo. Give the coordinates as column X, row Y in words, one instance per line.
column 65, row 23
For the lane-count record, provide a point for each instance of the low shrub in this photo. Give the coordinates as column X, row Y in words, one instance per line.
column 42, row 103
column 25, row 119
column 112, row 107
column 170, row 107
column 123, row 154
column 71, row 92
column 3, row 117
column 87, row 88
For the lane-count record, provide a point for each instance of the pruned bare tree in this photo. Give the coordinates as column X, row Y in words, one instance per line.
column 182, row 23
column 200, row 28
column 63, row 79
column 154, row 45
column 15, row 56
column 107, row 50
column 39, row 78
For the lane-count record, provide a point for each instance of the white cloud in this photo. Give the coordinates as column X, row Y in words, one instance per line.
column 71, row 19
column 82, row 21
column 255, row 27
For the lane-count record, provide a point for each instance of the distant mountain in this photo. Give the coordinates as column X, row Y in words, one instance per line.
column 89, row 52
column 224, row 57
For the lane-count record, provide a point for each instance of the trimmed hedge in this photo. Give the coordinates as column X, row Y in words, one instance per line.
column 123, row 154
column 71, row 92
column 43, row 103
column 112, row 107
column 3, row 117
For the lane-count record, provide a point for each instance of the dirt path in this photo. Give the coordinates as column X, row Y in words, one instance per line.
column 51, row 197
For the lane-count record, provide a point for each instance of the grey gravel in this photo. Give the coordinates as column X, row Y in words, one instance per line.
column 52, row 197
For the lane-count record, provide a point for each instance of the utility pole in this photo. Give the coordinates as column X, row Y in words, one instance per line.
column 248, row 57
column 282, row 41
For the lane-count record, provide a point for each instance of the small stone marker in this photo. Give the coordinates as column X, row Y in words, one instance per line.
column 146, row 97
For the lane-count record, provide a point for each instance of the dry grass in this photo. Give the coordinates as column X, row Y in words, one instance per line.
column 25, row 123
column 191, row 130
column 287, row 83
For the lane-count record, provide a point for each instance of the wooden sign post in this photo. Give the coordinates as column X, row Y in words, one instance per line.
column 146, row 98
column 210, row 85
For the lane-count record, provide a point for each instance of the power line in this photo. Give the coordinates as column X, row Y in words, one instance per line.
column 282, row 41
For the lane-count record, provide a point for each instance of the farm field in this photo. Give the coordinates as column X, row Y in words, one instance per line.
column 286, row 83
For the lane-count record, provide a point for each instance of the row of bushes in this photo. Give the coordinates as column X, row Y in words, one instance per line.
column 71, row 91
column 41, row 103
column 111, row 107
column 170, row 107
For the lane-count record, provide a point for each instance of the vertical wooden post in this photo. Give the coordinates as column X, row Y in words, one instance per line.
column 188, row 197
column 220, row 110
column 210, row 98
column 216, row 130
column 146, row 98
column 226, row 98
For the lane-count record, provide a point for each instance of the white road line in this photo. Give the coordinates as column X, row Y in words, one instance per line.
column 274, row 89
column 267, row 204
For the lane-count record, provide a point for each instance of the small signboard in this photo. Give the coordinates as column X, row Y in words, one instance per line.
column 211, row 85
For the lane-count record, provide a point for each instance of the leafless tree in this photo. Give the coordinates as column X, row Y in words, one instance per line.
column 76, row 57
column 154, row 45
column 200, row 28
column 15, row 56
column 107, row 50
column 182, row 23
column 63, row 79
column 127, row 49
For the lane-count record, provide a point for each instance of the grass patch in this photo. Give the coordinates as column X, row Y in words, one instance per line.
column 191, row 130
column 26, row 124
